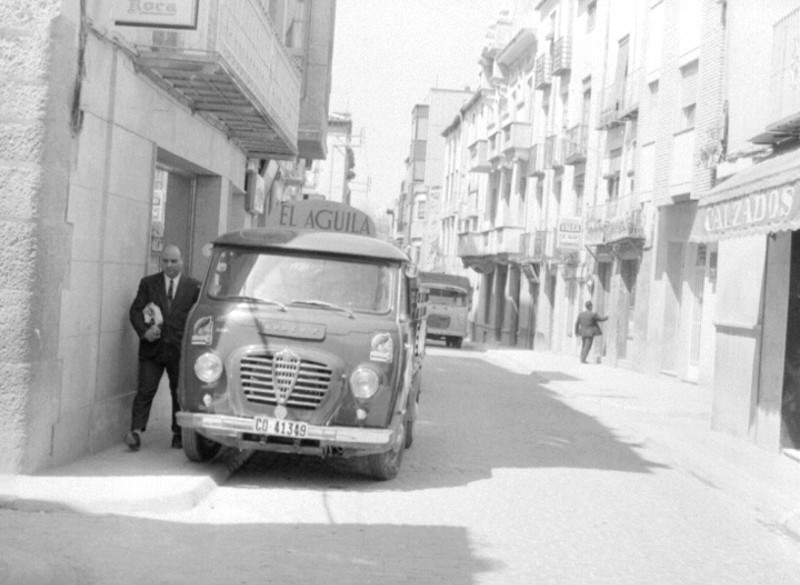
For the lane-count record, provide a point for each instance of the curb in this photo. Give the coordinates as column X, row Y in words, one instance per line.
column 79, row 495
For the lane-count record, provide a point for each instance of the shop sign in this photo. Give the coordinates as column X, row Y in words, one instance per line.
column 569, row 234
column 180, row 14
column 761, row 208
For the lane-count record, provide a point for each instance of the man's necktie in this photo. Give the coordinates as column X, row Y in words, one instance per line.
column 170, row 293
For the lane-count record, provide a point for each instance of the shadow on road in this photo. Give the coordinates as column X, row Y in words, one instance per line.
column 475, row 418
column 150, row 551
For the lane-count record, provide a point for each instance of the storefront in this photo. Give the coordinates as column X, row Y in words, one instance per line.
column 753, row 217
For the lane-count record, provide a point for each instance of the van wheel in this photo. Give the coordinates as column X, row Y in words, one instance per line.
column 384, row 466
column 197, row 447
column 457, row 342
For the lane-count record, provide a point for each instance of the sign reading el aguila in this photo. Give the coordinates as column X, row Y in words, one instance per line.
column 326, row 216
column 766, row 208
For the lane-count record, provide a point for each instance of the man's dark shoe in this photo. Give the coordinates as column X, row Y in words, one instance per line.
column 133, row 440
column 177, row 442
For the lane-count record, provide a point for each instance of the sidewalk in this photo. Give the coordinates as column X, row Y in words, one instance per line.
column 154, row 479
column 673, row 417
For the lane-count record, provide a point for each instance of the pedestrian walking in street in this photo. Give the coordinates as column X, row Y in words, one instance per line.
column 587, row 326
column 158, row 314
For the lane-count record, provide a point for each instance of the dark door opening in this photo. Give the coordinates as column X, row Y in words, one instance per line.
column 790, row 404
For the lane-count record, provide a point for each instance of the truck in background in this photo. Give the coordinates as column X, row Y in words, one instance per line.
column 448, row 305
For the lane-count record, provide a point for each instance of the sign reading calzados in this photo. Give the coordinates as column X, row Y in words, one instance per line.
column 761, row 209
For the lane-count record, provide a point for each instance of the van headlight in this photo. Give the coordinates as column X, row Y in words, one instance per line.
column 364, row 383
column 208, row 367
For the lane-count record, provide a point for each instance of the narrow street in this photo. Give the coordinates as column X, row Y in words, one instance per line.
column 517, row 474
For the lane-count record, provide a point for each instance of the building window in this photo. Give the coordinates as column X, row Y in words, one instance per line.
column 591, row 16
column 613, row 186
column 687, row 117
column 578, row 194
column 650, row 117
column 688, row 95
column 421, row 210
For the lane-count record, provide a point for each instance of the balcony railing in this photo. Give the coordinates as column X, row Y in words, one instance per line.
column 784, row 96
column 235, row 72
column 504, row 240
column 470, row 245
column 532, row 245
column 496, row 146
column 517, row 140
column 621, row 100
column 553, row 153
column 576, row 144
column 468, row 206
column 629, row 109
column 536, row 166
column 543, row 72
column 562, row 55
column 610, row 114
column 478, row 159
column 625, row 225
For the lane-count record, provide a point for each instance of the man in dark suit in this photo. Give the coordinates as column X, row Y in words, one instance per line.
column 158, row 314
column 587, row 326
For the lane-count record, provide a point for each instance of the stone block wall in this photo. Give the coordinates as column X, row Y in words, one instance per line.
column 38, row 66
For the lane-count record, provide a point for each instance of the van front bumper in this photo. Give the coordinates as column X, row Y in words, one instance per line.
column 243, row 429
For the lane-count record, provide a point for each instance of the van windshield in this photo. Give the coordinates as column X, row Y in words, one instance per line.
column 444, row 296
column 259, row 276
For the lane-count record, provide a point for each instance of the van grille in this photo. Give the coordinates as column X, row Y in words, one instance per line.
column 438, row 321
column 258, row 385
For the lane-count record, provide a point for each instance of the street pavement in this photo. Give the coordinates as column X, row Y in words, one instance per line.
column 677, row 416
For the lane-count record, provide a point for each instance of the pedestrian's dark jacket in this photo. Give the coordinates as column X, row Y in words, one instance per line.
column 152, row 289
column 588, row 324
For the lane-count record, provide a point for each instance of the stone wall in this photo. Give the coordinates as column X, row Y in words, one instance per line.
column 38, row 66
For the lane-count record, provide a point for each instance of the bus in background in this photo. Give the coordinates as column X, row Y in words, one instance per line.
column 449, row 300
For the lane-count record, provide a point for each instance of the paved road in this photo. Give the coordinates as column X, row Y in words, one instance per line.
column 520, row 473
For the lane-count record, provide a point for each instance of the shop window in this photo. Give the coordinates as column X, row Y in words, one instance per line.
column 421, row 210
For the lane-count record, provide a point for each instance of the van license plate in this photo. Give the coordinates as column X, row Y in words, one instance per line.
column 282, row 428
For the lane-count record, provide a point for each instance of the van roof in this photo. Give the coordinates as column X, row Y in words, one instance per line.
column 312, row 241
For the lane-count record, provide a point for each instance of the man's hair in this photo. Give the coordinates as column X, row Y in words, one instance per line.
column 168, row 246
column 588, row 304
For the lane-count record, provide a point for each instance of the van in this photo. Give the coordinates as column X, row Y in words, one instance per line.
column 307, row 338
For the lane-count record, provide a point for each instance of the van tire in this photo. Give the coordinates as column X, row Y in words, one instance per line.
column 384, row 466
column 457, row 342
column 197, row 447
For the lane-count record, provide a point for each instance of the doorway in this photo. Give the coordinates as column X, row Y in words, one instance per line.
column 172, row 216
column 514, row 286
column 790, row 403
column 629, row 271
column 697, row 286
column 500, row 299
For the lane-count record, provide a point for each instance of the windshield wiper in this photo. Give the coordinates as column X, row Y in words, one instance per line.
column 244, row 299
column 325, row 305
